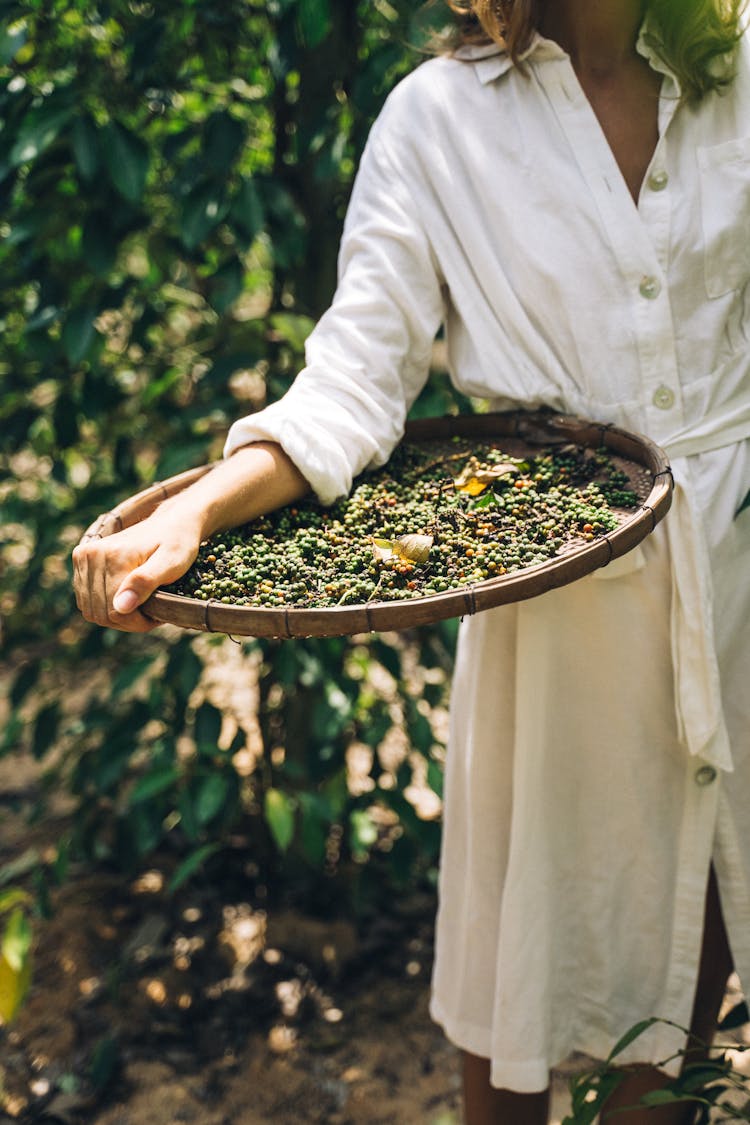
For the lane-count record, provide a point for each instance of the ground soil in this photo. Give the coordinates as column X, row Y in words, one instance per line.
column 208, row 1008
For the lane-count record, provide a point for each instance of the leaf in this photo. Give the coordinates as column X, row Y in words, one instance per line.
column 314, row 18
column 104, row 1062
column 85, row 147
column 99, row 244
column 410, row 548
column 24, row 682
column 129, row 673
column 363, row 832
column 225, row 286
column 664, row 1097
column 153, row 784
column 45, row 730
column 11, row 736
column 11, row 42
column 14, row 896
column 246, row 211
column 210, row 797
column 13, row 987
column 202, row 211
column 314, row 832
column 474, row 479
column 207, row 729
column 292, row 328
column 127, row 158
column 79, row 334
column 195, row 860
column 188, row 819
column 279, row 814
column 631, row 1035
column 21, row 865
column 222, row 140
column 16, row 941
column 41, row 126
column 415, row 548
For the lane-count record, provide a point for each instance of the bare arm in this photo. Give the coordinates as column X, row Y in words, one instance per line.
column 115, row 575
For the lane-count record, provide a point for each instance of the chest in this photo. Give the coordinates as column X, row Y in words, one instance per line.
column 627, row 109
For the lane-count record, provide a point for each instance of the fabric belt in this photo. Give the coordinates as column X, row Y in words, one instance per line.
column 700, row 715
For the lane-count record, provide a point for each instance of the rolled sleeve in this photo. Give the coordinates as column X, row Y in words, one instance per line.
column 369, row 355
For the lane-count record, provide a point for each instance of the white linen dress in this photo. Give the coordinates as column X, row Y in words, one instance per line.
column 599, row 757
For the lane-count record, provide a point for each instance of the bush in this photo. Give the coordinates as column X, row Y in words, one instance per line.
column 173, row 186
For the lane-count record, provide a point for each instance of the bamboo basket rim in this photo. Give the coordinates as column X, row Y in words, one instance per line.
column 540, row 428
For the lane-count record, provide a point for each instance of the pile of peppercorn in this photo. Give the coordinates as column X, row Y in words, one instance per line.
column 442, row 514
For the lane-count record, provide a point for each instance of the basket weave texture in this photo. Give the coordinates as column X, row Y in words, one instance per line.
column 518, row 433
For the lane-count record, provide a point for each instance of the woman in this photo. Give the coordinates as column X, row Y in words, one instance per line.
column 569, row 192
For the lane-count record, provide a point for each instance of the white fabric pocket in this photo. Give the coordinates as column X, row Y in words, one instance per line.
column 628, row 563
column 724, row 172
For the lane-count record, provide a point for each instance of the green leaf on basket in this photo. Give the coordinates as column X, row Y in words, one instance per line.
column 279, row 813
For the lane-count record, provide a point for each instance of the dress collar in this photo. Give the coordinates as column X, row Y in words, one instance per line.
column 492, row 60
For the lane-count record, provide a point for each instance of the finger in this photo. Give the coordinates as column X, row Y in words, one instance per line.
column 78, row 580
column 163, row 566
column 133, row 622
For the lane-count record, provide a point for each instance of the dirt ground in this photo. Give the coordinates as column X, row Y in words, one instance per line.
column 206, row 1008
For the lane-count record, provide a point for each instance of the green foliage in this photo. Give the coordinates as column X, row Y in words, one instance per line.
column 173, row 184
column 704, row 1084
column 15, row 952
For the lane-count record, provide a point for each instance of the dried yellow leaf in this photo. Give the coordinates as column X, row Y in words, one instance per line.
column 474, row 478
column 412, row 548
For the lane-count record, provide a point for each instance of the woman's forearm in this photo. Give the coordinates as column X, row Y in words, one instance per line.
column 256, row 479
column 115, row 575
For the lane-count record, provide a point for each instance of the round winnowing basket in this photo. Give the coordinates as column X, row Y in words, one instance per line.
column 519, row 434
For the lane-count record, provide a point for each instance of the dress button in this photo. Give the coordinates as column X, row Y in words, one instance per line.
column 649, row 287
column 705, row 775
column 657, row 181
column 663, row 398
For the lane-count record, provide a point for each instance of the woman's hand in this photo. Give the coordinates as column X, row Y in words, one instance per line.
column 115, row 575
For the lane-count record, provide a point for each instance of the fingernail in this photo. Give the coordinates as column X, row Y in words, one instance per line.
column 125, row 601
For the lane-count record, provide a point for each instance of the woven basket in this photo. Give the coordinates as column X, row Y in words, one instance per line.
column 519, row 434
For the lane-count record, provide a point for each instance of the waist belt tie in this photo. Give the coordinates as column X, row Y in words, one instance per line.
column 700, row 715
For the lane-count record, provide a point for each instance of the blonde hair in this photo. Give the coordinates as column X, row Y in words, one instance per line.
column 697, row 39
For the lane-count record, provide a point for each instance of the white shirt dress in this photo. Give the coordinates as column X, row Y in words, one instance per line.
column 599, row 757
